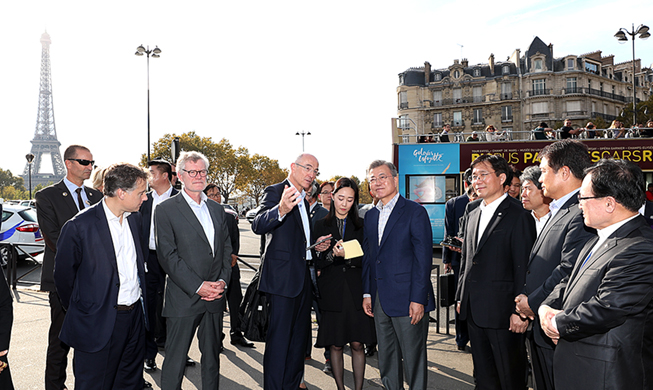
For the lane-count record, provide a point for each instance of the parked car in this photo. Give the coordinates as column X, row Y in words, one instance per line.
column 230, row 209
column 252, row 213
column 28, row 203
column 19, row 227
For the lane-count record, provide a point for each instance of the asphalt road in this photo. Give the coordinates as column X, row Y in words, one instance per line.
column 240, row 368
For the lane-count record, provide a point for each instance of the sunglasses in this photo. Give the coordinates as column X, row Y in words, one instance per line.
column 82, row 161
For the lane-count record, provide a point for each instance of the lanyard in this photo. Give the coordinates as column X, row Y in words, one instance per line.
column 344, row 224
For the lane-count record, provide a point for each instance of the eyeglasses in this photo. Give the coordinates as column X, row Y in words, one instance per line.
column 82, row 161
column 325, row 193
column 213, row 196
column 379, row 179
column 588, row 197
column 194, row 173
column 308, row 168
column 482, row 176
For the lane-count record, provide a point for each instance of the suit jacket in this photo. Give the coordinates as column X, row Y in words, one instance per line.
column 316, row 214
column 648, row 212
column 185, row 255
column 492, row 272
column 399, row 268
column 340, row 275
column 283, row 261
column 453, row 211
column 553, row 257
column 146, row 212
column 86, row 277
column 606, row 327
column 54, row 207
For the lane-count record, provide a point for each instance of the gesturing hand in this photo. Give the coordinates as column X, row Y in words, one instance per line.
column 289, row 199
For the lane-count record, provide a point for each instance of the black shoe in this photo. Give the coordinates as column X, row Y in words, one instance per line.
column 190, row 362
column 369, row 351
column 327, row 367
column 242, row 343
column 462, row 348
column 146, row 384
column 150, row 365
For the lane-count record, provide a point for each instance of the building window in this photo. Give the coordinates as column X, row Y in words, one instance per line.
column 570, row 63
column 506, row 114
column 457, row 95
column 478, row 94
column 456, row 74
column 437, row 119
column 437, row 98
column 537, row 65
column 438, row 76
column 403, row 100
column 401, row 79
column 478, row 116
column 591, row 67
column 540, row 109
column 477, row 72
column 539, row 87
column 457, row 118
column 506, row 91
column 572, row 85
column 506, row 69
column 403, row 122
column 573, row 107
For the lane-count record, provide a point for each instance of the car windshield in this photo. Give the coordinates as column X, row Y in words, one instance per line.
column 29, row 215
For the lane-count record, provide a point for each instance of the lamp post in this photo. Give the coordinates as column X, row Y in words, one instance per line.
column 140, row 51
column 30, row 158
column 303, row 134
column 643, row 33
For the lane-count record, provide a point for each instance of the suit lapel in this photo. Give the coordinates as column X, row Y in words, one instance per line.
column 396, row 213
column 68, row 199
column 190, row 217
column 90, row 195
column 541, row 238
column 103, row 230
column 494, row 221
column 472, row 227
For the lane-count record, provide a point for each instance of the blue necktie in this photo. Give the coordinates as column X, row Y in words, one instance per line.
column 587, row 258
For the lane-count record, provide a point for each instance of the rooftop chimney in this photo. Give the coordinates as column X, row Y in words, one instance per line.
column 427, row 72
column 491, row 61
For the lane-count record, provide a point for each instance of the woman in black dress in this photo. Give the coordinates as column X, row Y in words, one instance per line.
column 340, row 287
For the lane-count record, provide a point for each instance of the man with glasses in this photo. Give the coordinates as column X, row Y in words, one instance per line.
column 55, row 205
column 194, row 249
column 397, row 289
column 601, row 316
column 285, row 278
column 498, row 236
column 555, row 251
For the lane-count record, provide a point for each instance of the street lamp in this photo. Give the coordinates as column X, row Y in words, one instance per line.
column 303, row 134
column 643, row 33
column 155, row 54
column 29, row 157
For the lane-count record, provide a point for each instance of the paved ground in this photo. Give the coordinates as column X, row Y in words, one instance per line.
column 240, row 368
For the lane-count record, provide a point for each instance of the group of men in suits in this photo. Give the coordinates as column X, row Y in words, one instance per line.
column 595, row 298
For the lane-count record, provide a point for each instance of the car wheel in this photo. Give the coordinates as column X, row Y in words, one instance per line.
column 6, row 253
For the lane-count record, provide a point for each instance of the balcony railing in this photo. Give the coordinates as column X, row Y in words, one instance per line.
column 539, row 92
column 478, row 99
column 506, row 118
column 506, row 96
column 540, row 115
column 574, row 113
column 403, row 106
column 606, row 117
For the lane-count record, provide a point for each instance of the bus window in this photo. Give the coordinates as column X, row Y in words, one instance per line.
column 432, row 189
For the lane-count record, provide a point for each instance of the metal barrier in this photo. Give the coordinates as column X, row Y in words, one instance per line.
column 12, row 277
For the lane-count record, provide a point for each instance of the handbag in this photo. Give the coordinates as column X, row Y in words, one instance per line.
column 447, row 290
column 254, row 312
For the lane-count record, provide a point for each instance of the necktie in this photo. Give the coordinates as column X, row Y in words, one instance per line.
column 587, row 258
column 80, row 202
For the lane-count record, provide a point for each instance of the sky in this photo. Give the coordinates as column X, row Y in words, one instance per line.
column 258, row 72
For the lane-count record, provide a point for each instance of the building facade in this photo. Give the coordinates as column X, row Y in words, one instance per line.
column 515, row 95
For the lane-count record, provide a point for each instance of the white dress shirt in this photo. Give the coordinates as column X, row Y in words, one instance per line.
column 72, row 188
column 125, row 250
column 539, row 223
column 156, row 199
column 487, row 211
column 203, row 215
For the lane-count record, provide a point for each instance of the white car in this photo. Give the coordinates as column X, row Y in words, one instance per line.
column 19, row 227
column 229, row 209
column 251, row 214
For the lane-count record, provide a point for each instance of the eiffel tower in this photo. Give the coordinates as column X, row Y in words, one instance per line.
column 45, row 143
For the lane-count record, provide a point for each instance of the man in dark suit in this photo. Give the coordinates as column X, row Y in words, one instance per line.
column 454, row 209
column 647, row 211
column 601, row 316
column 6, row 321
column 555, row 251
column 193, row 247
column 55, row 205
column 98, row 271
column 283, row 219
column 397, row 290
column 499, row 234
column 160, row 176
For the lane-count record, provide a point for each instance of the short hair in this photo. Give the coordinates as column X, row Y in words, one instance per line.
column 71, row 151
column 378, row 163
column 650, row 185
column 543, row 124
column 571, row 153
column 620, row 179
column 532, row 174
column 467, row 176
column 163, row 166
column 352, row 215
column 314, row 190
column 122, row 176
column 191, row 156
column 98, row 177
column 498, row 163
column 326, row 183
column 211, row 186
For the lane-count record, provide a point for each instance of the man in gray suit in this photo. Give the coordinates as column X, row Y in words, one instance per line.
column 194, row 249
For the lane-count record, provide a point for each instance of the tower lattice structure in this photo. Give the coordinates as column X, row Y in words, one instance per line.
column 45, row 140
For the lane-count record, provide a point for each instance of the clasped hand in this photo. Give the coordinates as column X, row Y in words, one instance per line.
column 211, row 291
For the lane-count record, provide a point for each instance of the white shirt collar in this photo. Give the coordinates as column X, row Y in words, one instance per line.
column 192, row 202
column 607, row 231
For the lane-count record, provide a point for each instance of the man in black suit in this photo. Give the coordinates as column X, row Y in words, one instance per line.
column 647, row 211
column 453, row 211
column 601, row 316
column 160, row 176
column 55, row 205
column 556, row 248
column 193, row 247
column 6, row 321
column 98, row 271
column 283, row 219
column 499, row 234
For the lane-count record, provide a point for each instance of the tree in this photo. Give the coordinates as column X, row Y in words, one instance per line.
column 263, row 171
column 7, row 179
column 364, row 192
